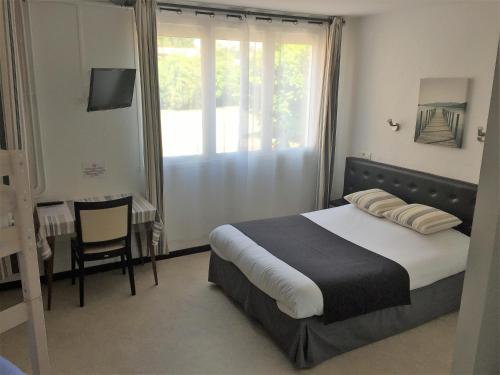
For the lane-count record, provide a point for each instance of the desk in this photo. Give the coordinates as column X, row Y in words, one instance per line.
column 59, row 220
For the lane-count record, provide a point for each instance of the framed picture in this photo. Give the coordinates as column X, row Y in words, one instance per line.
column 442, row 104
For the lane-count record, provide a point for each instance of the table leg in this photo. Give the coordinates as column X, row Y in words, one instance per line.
column 139, row 246
column 152, row 253
column 49, row 271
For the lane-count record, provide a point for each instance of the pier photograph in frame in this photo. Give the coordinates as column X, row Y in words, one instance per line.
column 442, row 104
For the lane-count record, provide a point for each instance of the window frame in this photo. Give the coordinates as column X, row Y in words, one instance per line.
column 268, row 35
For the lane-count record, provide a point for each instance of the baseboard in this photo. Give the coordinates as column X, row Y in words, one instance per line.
column 111, row 266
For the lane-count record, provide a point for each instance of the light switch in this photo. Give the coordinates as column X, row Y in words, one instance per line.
column 365, row 155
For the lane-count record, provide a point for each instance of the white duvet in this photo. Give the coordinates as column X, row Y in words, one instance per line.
column 427, row 258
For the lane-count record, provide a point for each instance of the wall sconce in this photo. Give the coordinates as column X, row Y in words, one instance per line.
column 481, row 134
column 394, row 125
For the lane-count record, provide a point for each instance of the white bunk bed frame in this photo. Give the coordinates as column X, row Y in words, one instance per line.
column 20, row 239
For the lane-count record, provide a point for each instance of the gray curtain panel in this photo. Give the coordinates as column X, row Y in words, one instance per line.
column 328, row 112
column 15, row 107
column 19, row 110
column 145, row 14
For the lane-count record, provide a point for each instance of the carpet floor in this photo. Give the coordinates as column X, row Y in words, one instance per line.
column 187, row 326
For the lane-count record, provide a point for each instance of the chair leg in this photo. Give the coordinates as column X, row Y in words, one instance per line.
column 123, row 264
column 81, row 270
column 130, row 272
column 73, row 266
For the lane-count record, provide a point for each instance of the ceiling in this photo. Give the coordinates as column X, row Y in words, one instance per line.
column 329, row 7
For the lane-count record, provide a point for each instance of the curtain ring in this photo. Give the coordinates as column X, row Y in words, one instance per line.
column 267, row 19
column 238, row 16
column 210, row 14
column 176, row 10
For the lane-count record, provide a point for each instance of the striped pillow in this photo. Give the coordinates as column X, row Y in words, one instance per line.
column 374, row 201
column 423, row 219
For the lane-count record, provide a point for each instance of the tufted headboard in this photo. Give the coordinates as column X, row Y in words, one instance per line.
column 453, row 196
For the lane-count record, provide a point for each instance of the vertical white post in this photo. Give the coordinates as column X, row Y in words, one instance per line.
column 28, row 264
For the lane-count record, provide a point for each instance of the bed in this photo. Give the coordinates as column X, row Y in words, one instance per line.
column 402, row 278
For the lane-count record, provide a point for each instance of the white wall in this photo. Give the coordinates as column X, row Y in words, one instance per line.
column 478, row 332
column 69, row 38
column 391, row 53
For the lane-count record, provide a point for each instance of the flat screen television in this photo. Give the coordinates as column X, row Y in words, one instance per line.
column 110, row 88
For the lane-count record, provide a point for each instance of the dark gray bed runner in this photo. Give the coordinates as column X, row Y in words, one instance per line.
column 352, row 279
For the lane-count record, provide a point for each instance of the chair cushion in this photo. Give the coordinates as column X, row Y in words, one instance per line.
column 95, row 249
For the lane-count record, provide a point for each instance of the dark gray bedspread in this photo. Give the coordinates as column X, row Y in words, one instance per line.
column 353, row 280
column 307, row 342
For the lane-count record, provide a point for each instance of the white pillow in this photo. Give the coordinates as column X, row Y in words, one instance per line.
column 374, row 201
column 423, row 219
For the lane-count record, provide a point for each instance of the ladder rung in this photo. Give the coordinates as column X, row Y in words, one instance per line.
column 13, row 316
column 9, row 241
column 5, row 164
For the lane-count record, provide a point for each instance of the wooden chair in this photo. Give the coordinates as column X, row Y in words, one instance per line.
column 103, row 230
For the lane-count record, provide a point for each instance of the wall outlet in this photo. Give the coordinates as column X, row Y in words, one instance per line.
column 365, row 155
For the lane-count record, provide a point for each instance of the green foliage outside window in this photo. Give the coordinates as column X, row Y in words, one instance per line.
column 291, row 67
column 180, row 80
column 227, row 73
column 179, row 74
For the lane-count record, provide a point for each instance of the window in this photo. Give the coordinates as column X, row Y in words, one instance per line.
column 240, row 111
column 292, row 66
column 229, row 87
column 255, row 96
column 227, row 94
column 179, row 75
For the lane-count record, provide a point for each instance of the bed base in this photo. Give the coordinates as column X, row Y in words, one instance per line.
column 308, row 342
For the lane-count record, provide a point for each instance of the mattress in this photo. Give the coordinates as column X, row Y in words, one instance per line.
column 427, row 258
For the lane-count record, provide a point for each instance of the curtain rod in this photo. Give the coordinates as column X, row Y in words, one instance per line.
column 238, row 12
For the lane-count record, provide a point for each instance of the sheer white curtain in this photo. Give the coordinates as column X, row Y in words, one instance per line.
column 239, row 110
